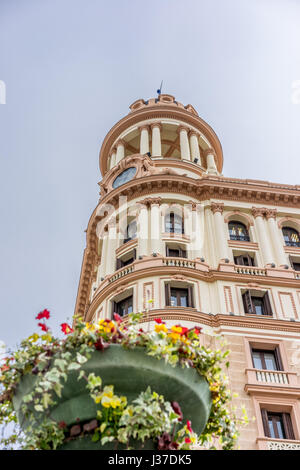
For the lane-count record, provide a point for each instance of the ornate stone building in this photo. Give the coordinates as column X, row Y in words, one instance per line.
column 205, row 249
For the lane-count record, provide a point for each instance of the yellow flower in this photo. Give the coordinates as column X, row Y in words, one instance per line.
column 160, row 327
column 193, row 439
column 97, row 399
column 176, row 329
column 174, row 336
column 47, row 338
column 106, row 402
column 108, row 391
column 33, row 337
column 115, row 401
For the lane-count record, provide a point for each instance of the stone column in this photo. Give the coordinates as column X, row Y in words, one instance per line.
column 113, row 154
column 194, row 144
column 120, row 150
column 154, row 204
column 197, row 230
column 156, row 141
column 211, row 163
column 143, row 230
column 184, row 143
column 265, row 244
column 110, row 264
column 144, row 139
column 217, row 210
column 280, row 254
column 102, row 267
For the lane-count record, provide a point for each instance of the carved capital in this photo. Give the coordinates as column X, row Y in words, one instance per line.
column 182, row 128
column 209, row 151
column 120, row 142
column 217, row 207
column 193, row 132
column 271, row 213
column 156, row 124
column 258, row 211
column 144, row 127
column 150, row 201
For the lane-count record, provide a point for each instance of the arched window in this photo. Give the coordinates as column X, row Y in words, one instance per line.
column 131, row 230
column 238, row 231
column 291, row 236
column 174, row 223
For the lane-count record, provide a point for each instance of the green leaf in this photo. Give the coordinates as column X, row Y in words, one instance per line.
column 81, row 359
column 74, row 366
column 39, row 408
column 96, row 437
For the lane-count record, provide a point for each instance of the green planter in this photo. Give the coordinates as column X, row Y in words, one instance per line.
column 131, row 371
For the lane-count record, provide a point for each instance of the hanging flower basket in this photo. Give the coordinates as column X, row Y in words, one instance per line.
column 112, row 385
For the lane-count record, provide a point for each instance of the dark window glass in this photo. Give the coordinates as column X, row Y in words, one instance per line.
column 276, row 426
column 124, row 177
column 244, row 260
column 130, row 231
column 258, row 305
column 238, row 231
column 174, row 223
column 291, row 236
column 176, row 252
column 264, row 360
column 179, row 297
column 124, row 307
column 296, row 266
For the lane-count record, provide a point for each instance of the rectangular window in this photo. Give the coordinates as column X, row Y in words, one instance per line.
column 179, row 297
column 267, row 359
column 126, row 260
column 175, row 252
column 277, row 425
column 244, row 260
column 123, row 307
column 257, row 305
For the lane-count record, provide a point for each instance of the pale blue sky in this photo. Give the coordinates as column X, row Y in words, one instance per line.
column 71, row 70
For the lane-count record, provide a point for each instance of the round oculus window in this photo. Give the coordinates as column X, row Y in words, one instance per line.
column 124, row 177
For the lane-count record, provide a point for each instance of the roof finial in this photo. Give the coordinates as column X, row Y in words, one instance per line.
column 159, row 90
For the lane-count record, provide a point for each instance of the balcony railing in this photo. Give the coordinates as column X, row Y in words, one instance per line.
column 291, row 243
column 180, row 262
column 120, row 273
column 240, row 238
column 253, row 270
column 272, row 376
column 268, row 443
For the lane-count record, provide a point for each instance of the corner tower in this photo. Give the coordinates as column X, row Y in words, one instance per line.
column 173, row 238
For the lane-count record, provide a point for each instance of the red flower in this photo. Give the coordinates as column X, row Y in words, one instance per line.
column 4, row 368
column 188, row 425
column 197, row 331
column 117, row 318
column 43, row 326
column 66, row 329
column 159, row 320
column 187, row 440
column 141, row 330
column 177, row 409
column 100, row 345
column 44, row 314
column 62, row 425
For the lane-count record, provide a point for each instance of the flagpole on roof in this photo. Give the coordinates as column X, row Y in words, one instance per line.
column 159, row 90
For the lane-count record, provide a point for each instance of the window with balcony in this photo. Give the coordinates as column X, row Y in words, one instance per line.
column 131, row 231
column 126, row 259
column 238, row 231
column 266, row 359
column 179, row 296
column 244, row 260
column 257, row 304
column 295, row 263
column 175, row 251
column 291, row 236
column 124, row 306
column 277, row 425
column 174, row 223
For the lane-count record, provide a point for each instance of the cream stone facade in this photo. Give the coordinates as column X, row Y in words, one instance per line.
column 222, row 253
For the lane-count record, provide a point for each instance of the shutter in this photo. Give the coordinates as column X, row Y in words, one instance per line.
column 250, row 260
column 168, row 294
column 247, row 301
column 119, row 263
column 288, row 427
column 278, row 358
column 190, row 297
column 291, row 262
column 267, row 305
column 168, row 250
column 134, row 254
column 182, row 226
column 264, row 415
column 182, row 253
column 239, row 260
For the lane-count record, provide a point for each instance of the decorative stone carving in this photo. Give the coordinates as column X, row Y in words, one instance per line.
column 258, row 211
column 217, row 207
column 271, row 213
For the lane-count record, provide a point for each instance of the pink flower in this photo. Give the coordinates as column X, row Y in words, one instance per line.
column 187, row 440
column 117, row 318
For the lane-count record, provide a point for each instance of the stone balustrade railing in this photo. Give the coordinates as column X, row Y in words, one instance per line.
column 253, row 270
column 121, row 272
column 272, row 376
column 180, row 262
